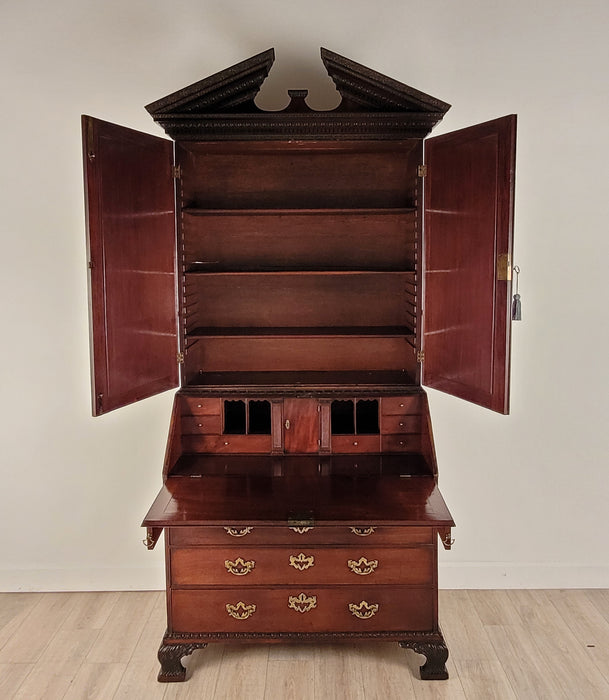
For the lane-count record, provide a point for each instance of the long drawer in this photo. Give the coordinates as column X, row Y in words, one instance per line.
column 302, row 609
column 346, row 535
column 251, row 566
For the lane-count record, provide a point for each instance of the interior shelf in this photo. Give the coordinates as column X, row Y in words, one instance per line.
column 334, row 381
column 205, row 211
column 288, row 272
column 291, row 331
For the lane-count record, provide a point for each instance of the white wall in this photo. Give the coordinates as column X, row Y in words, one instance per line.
column 528, row 491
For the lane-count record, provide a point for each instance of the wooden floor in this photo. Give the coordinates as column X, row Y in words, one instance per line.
column 503, row 644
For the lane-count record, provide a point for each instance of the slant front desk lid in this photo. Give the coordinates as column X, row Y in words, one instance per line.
column 277, row 500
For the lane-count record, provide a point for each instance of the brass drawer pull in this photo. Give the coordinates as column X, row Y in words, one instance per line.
column 241, row 611
column 364, row 610
column 238, row 532
column 301, row 530
column 302, row 603
column 363, row 567
column 302, row 562
column 362, row 531
column 239, row 567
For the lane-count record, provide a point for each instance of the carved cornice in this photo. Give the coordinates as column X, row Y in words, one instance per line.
column 221, row 92
column 373, row 106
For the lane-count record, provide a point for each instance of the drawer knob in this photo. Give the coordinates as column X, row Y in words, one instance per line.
column 401, row 425
column 362, row 531
column 363, row 610
column 356, row 443
column 241, row 611
column 302, row 603
column 239, row 567
column 363, row 567
column 238, row 532
column 301, row 530
column 302, row 562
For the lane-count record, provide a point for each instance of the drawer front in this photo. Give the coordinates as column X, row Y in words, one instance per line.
column 401, row 424
column 250, row 566
column 195, row 406
column 392, row 405
column 401, row 443
column 302, row 609
column 344, row 535
column 227, row 444
column 346, row 444
column 203, row 424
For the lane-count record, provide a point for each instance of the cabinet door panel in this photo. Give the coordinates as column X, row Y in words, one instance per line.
column 469, row 193
column 130, row 210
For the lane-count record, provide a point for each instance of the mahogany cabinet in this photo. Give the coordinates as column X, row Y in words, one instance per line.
column 299, row 274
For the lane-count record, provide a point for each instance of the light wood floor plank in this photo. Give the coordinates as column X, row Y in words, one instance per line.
column 529, row 674
column 11, row 678
column 582, row 618
column 338, row 675
column 290, row 680
column 118, row 638
column 554, row 641
column 139, row 682
column 385, row 672
column 14, row 608
column 95, row 681
column 242, row 673
column 91, row 610
column 58, row 665
column 37, row 628
column 600, row 599
column 479, row 670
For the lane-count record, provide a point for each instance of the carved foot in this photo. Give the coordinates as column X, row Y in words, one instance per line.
column 170, row 657
column 436, row 653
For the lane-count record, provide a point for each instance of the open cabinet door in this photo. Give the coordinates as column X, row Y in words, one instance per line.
column 130, row 212
column 469, row 200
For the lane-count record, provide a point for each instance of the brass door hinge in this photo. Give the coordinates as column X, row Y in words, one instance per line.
column 177, row 171
column 504, row 267
column 422, row 171
column 180, row 358
column 420, row 356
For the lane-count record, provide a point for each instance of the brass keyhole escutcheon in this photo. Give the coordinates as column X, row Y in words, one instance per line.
column 287, row 423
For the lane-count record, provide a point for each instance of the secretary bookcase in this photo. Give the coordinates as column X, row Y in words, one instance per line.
column 298, row 274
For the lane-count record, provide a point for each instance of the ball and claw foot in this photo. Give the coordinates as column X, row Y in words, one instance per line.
column 170, row 658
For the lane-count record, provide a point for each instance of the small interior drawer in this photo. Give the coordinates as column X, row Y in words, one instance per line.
column 392, row 405
column 198, row 406
column 227, row 444
column 202, row 424
column 401, row 424
column 401, row 443
column 347, row 444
